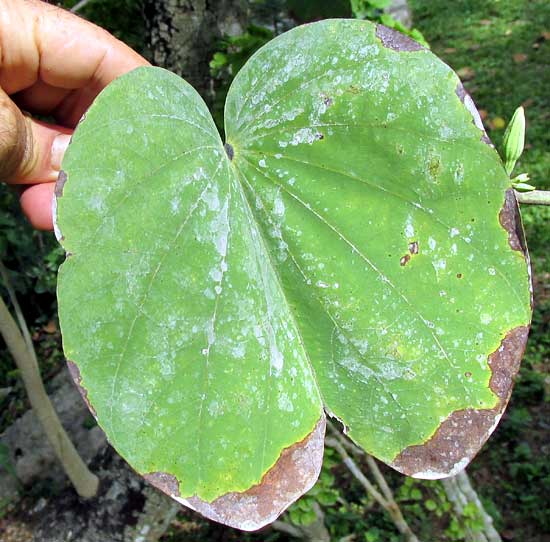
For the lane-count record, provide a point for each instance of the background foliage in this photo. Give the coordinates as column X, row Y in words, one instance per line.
column 501, row 49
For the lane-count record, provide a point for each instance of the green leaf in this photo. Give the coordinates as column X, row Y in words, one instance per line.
column 364, row 8
column 219, row 60
column 430, row 505
column 416, row 494
column 352, row 248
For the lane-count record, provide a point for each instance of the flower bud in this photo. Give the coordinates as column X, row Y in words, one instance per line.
column 514, row 138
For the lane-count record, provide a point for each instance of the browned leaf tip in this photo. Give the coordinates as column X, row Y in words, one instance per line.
column 396, row 40
column 464, row 432
column 75, row 374
column 295, row 472
column 165, row 482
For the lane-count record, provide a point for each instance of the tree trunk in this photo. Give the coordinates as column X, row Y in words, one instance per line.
column 182, row 35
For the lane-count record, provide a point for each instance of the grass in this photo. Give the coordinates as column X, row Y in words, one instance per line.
column 503, row 48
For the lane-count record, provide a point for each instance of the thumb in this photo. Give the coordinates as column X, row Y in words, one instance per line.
column 30, row 150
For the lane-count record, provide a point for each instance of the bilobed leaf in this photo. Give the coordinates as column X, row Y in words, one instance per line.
column 352, row 248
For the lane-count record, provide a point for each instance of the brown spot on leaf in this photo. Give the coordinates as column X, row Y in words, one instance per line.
column 396, row 40
column 404, row 260
column 165, row 482
column 464, row 432
column 459, row 275
column 434, row 168
column 413, row 247
column 75, row 374
column 327, row 100
column 295, row 472
column 60, row 183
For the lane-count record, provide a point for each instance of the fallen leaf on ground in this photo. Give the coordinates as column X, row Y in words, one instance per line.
column 496, row 123
column 466, row 73
column 50, row 327
column 519, row 58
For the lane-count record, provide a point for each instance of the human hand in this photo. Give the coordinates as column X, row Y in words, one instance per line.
column 51, row 63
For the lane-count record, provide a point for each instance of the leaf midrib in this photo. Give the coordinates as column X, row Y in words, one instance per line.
column 267, row 251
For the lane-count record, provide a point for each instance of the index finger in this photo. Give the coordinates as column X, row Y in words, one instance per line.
column 40, row 42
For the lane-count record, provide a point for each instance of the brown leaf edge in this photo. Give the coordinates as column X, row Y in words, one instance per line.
column 392, row 39
column 75, row 374
column 58, row 193
column 294, row 473
column 463, row 433
column 469, row 104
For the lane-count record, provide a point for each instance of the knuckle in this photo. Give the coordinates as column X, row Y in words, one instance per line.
column 13, row 140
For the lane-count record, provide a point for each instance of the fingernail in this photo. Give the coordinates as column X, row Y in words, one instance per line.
column 59, row 146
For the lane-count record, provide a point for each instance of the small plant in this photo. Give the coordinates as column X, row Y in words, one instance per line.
column 232, row 54
column 374, row 11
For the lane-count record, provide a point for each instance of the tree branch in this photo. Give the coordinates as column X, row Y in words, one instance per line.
column 287, row 528
column 314, row 532
column 85, row 483
column 386, row 501
column 536, row 197
column 18, row 312
column 357, row 473
column 463, row 482
column 460, row 493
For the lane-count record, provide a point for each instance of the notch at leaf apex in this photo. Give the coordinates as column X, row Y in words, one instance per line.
column 229, row 150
